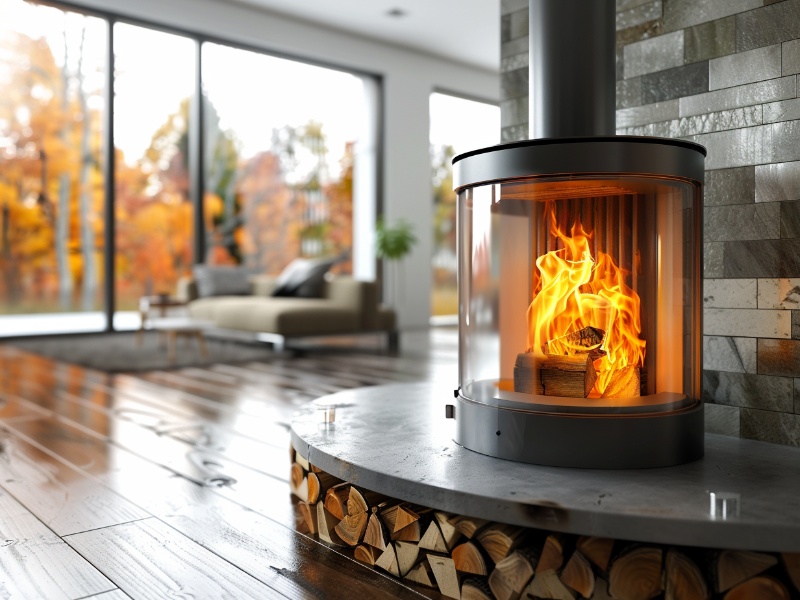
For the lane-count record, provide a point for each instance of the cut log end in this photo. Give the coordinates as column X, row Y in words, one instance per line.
column 578, row 575
column 468, row 559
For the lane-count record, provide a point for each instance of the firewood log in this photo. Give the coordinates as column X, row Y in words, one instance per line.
column 301, row 460
column 476, row 588
column 683, row 579
column 444, row 571
column 499, row 540
column 375, row 535
column 314, row 469
column 450, row 534
column 300, row 491
column 309, row 512
column 546, row 584
column 292, row 453
column 578, row 575
column 296, row 475
column 404, row 517
column 577, row 342
column 636, row 574
column 735, row 566
column 468, row 559
column 388, row 514
column 511, row 576
column 411, row 533
column 469, row 526
column 422, row 574
column 407, row 554
column 597, row 550
column 759, row 588
column 624, row 383
column 367, row 554
column 388, row 561
column 326, row 525
column 552, row 556
column 356, row 503
column 318, row 485
column 352, row 527
column 791, row 561
column 336, row 499
column 432, row 539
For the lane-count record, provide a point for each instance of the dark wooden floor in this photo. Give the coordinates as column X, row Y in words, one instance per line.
column 174, row 484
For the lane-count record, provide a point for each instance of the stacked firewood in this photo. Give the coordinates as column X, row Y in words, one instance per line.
column 475, row 559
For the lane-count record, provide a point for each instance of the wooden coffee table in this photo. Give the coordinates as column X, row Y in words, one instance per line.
column 176, row 327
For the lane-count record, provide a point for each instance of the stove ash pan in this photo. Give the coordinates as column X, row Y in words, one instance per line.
column 580, row 281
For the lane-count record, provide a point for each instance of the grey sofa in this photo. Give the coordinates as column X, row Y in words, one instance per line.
column 348, row 307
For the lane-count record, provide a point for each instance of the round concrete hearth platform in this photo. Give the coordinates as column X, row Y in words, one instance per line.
column 395, row 440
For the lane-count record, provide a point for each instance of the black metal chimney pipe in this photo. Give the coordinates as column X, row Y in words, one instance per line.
column 572, row 68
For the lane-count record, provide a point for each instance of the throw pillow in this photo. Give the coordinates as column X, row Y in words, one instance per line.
column 222, row 281
column 303, row 278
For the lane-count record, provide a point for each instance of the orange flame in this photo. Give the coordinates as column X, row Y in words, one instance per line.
column 575, row 291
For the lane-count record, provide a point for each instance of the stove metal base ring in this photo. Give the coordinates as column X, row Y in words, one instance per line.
column 578, row 441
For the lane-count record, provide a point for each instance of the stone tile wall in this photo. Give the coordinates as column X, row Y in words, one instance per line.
column 722, row 73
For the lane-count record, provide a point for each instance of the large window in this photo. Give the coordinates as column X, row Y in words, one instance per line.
column 52, row 67
column 288, row 165
column 457, row 125
column 154, row 84
column 279, row 152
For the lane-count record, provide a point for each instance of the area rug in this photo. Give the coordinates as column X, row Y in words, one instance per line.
column 119, row 352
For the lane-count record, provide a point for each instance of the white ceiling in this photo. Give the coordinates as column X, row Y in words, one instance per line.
column 467, row 31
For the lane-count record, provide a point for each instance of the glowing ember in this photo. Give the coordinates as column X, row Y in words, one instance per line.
column 576, row 291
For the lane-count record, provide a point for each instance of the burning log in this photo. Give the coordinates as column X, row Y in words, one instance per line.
column 570, row 376
column 577, row 342
column 624, row 383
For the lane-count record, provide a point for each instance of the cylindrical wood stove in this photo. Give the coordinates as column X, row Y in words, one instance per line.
column 580, row 271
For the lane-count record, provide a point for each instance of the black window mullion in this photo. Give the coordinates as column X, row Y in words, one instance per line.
column 196, row 162
column 109, row 181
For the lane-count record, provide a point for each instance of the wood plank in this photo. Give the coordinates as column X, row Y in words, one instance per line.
column 66, row 500
column 149, row 559
column 36, row 563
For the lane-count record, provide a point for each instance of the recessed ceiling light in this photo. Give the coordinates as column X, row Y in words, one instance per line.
column 396, row 13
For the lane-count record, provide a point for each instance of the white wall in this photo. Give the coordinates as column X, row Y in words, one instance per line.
column 409, row 78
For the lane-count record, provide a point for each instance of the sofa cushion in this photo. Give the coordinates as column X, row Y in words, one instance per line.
column 222, row 281
column 284, row 316
column 303, row 278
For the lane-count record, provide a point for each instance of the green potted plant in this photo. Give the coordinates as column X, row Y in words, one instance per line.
column 393, row 243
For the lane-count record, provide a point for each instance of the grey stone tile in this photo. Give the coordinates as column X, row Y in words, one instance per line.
column 517, row 46
column 766, row 2
column 650, row 113
column 779, row 357
column 790, row 220
column 737, row 147
column 730, row 293
column 639, row 14
column 514, row 84
column 777, row 182
column 743, row 95
column 685, row 13
column 746, row 390
column 786, row 110
column 730, row 186
column 710, row 40
column 629, row 92
column 518, row 24
column 769, row 426
column 512, row 63
column 686, row 80
column 736, row 118
column 747, row 322
column 796, row 336
column 637, row 33
column 721, row 419
column 785, row 136
column 777, row 292
column 790, row 57
column 722, row 353
column 744, row 67
column 514, row 112
column 656, row 54
column 768, row 25
column 714, row 259
column 742, row 222
column 510, row 6
column 626, row 4
column 619, row 64
column 762, row 258
column 514, row 133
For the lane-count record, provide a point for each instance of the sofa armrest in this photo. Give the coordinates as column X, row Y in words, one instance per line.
column 187, row 289
column 262, row 285
column 360, row 296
